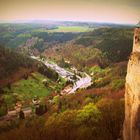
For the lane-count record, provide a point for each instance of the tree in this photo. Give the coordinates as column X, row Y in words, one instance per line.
column 21, row 115
column 89, row 114
column 112, row 117
column 41, row 109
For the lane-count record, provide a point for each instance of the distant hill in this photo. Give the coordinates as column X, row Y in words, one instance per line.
column 103, row 46
column 17, row 35
column 47, row 33
column 115, row 43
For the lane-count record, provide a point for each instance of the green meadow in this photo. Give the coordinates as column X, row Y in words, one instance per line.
column 72, row 29
column 26, row 89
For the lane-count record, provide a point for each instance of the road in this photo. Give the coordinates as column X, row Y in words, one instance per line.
column 80, row 82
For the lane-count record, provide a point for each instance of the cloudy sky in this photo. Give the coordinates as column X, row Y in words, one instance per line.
column 116, row 11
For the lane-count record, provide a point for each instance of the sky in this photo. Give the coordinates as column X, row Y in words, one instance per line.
column 114, row 11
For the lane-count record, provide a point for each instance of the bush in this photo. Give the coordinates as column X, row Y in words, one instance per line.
column 89, row 114
column 101, row 82
column 3, row 110
column 56, row 99
column 117, row 84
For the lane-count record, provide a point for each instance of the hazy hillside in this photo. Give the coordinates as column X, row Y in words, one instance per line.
column 17, row 35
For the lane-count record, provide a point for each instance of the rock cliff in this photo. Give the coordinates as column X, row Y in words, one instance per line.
column 132, row 92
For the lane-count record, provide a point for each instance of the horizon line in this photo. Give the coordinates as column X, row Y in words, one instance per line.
column 61, row 20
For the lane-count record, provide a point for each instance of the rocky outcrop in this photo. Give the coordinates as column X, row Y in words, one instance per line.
column 132, row 92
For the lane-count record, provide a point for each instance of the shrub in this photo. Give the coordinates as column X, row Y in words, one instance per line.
column 56, row 99
column 3, row 110
column 89, row 114
column 117, row 84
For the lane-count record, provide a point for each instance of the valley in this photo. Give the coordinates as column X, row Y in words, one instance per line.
column 63, row 76
column 69, row 70
column 78, row 81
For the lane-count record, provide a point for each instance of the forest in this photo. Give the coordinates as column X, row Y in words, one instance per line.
column 96, row 112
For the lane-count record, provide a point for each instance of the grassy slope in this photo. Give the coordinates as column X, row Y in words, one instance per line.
column 27, row 89
column 14, row 66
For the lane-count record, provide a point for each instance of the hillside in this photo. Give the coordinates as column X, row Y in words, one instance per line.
column 87, row 113
column 101, row 47
column 45, row 35
column 115, row 43
column 14, row 66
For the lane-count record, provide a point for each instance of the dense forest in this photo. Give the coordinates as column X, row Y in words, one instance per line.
column 103, row 46
column 15, row 35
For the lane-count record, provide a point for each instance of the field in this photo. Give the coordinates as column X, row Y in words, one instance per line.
column 26, row 89
column 72, row 29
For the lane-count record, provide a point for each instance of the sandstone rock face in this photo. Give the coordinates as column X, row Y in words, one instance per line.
column 132, row 92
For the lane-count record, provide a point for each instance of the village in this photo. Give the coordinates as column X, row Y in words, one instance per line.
column 21, row 112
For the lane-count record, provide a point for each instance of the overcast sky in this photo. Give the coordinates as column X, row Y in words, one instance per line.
column 116, row 11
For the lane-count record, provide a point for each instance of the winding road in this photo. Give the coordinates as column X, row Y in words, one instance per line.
column 80, row 82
